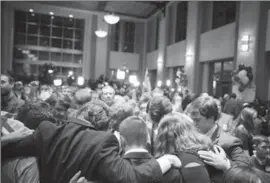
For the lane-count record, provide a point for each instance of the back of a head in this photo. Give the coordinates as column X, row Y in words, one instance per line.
column 233, row 96
column 82, row 96
column 247, row 116
column 119, row 112
column 241, row 174
column 158, row 107
column 134, row 130
column 97, row 113
column 33, row 113
column 205, row 105
column 177, row 132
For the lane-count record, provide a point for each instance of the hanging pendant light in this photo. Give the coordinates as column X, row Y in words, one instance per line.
column 101, row 33
column 111, row 18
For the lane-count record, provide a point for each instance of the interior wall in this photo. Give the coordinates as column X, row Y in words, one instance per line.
column 218, row 43
column 120, row 59
column 151, row 60
column 267, row 48
column 176, row 54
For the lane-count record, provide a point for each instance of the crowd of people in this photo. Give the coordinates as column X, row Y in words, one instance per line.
column 113, row 134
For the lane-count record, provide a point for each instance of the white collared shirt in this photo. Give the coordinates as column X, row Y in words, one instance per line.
column 211, row 131
column 136, row 150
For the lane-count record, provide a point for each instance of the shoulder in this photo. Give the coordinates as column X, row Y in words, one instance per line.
column 226, row 140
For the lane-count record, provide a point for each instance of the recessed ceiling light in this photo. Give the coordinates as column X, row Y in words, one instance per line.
column 31, row 10
column 51, row 13
column 70, row 16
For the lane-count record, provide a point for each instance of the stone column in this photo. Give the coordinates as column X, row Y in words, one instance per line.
column 162, row 45
column 252, row 21
column 7, row 36
column 192, row 45
column 102, row 49
column 88, row 47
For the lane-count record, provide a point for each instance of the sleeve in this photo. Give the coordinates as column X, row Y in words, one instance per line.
column 237, row 155
column 25, row 147
column 112, row 168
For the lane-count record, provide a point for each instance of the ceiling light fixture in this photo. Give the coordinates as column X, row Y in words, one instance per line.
column 101, row 33
column 51, row 13
column 111, row 18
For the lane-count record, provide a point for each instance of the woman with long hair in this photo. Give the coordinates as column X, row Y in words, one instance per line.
column 178, row 135
column 245, row 128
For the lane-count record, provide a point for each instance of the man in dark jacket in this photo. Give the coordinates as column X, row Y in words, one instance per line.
column 204, row 112
column 64, row 149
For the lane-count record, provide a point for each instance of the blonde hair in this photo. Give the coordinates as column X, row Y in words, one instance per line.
column 176, row 132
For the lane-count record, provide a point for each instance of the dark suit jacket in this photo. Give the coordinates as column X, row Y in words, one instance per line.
column 185, row 175
column 63, row 150
column 233, row 148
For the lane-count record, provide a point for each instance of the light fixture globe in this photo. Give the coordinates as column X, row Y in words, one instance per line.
column 101, row 33
column 111, row 18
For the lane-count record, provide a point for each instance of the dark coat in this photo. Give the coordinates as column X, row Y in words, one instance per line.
column 184, row 175
column 233, row 148
column 64, row 150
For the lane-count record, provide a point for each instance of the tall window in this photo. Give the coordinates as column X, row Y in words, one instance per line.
column 181, row 21
column 41, row 38
column 115, row 37
column 221, row 77
column 224, row 12
column 123, row 37
column 157, row 32
column 129, row 38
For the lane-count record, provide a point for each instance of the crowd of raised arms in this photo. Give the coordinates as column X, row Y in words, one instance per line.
column 115, row 134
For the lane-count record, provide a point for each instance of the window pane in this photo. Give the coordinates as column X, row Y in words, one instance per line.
column 45, row 19
column 78, row 71
column 33, row 18
column 57, row 21
column 78, row 59
column 20, row 16
column 68, row 44
column 20, row 27
column 78, row 45
column 44, row 41
column 65, row 70
column 78, row 34
column 43, row 55
column 32, row 40
column 79, row 23
column 68, row 22
column 57, row 32
column 45, row 30
column 68, row 33
column 20, row 39
column 57, row 43
column 55, row 56
column 32, row 55
column 18, row 53
column 129, row 47
column 18, row 68
column 67, row 57
column 32, row 29
column 33, row 68
column 115, row 46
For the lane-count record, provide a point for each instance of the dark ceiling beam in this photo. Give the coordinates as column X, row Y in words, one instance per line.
column 102, row 5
